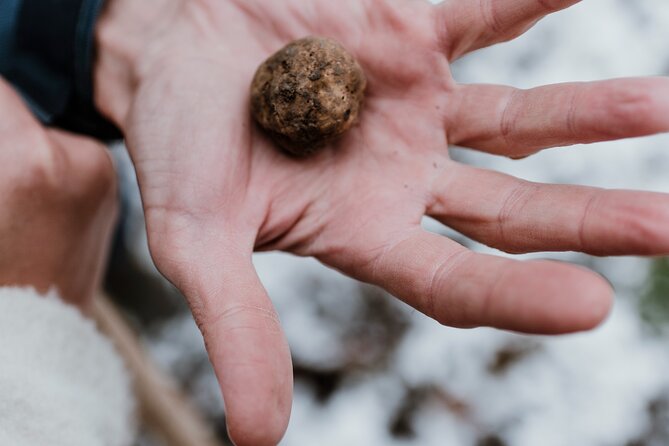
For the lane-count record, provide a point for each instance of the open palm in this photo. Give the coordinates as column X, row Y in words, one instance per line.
column 214, row 188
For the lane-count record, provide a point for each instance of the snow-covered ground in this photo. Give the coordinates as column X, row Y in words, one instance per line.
column 371, row 371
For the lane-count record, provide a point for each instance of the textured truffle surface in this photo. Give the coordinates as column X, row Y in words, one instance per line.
column 308, row 94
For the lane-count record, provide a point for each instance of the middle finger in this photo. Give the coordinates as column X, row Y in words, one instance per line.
column 520, row 216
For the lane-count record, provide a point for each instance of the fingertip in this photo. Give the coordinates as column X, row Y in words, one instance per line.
column 576, row 299
column 259, row 417
column 546, row 297
column 631, row 107
column 268, row 436
column 257, row 389
column 249, row 353
column 592, row 303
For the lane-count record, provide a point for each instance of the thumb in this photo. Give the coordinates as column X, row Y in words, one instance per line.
column 246, row 346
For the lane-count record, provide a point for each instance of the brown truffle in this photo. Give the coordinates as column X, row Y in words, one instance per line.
column 308, row 94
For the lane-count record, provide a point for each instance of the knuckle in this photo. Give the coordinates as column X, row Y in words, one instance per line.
column 98, row 174
column 627, row 106
column 583, row 227
column 640, row 228
column 517, row 198
column 82, row 181
column 84, row 173
column 242, row 315
column 35, row 162
column 491, row 17
column 441, row 282
column 550, row 5
column 233, row 321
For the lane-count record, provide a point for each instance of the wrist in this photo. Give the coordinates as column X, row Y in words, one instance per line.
column 126, row 38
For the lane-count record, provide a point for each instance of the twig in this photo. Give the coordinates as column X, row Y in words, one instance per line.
column 165, row 410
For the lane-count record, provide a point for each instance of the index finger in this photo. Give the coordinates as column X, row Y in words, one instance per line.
column 474, row 24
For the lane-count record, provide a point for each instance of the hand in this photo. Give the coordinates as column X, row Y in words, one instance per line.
column 214, row 189
column 58, row 205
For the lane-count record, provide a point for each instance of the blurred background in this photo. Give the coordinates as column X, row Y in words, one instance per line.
column 371, row 371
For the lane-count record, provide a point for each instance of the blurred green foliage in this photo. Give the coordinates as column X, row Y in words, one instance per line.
column 654, row 304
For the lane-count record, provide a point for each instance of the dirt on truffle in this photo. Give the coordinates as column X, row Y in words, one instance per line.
column 308, row 94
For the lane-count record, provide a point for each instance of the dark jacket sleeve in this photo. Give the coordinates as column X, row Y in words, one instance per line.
column 47, row 53
column 8, row 18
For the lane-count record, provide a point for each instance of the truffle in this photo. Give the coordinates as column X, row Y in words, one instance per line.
column 308, row 94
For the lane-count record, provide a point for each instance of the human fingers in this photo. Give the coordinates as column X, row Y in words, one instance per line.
column 83, row 161
column 461, row 288
column 465, row 26
column 59, row 202
column 85, row 175
column 243, row 337
column 520, row 216
column 515, row 123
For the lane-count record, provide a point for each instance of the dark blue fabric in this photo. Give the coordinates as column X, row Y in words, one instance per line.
column 47, row 52
column 9, row 10
column 84, row 47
